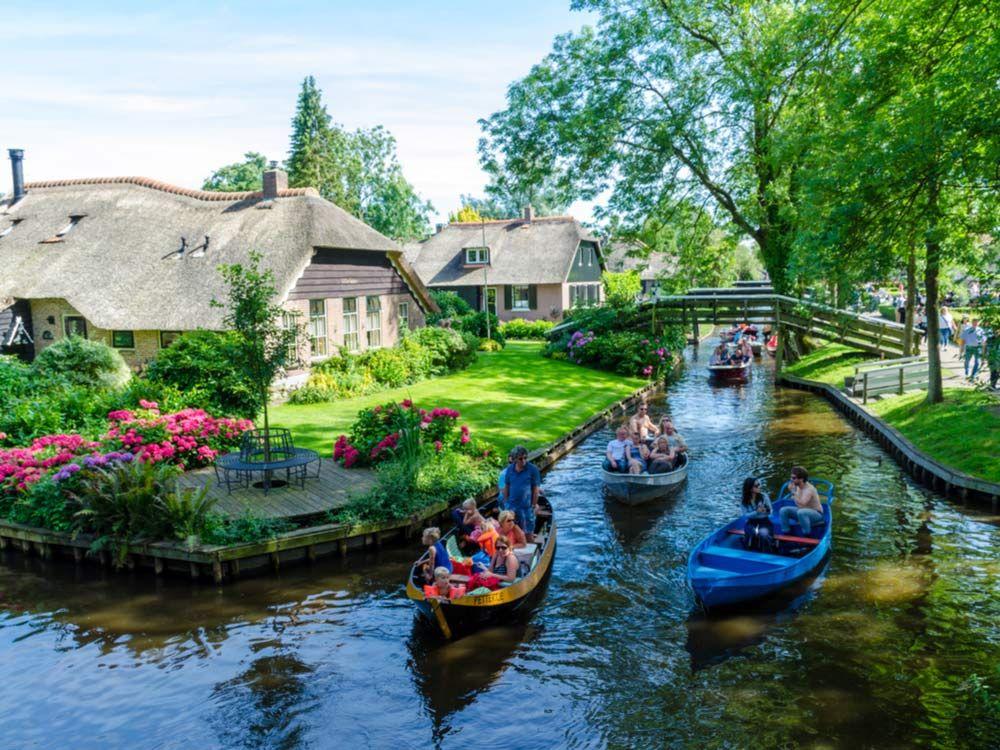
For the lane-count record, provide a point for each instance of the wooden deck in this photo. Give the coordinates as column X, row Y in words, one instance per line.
column 332, row 489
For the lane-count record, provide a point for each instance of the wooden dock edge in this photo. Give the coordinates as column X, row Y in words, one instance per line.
column 226, row 563
column 918, row 464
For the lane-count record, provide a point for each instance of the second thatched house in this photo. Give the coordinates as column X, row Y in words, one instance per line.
column 530, row 267
column 133, row 262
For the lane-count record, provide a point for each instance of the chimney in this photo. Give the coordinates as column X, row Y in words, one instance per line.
column 17, row 172
column 529, row 213
column 275, row 180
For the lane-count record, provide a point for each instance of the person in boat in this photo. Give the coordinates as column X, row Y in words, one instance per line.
column 521, row 491
column 745, row 350
column 807, row 509
column 675, row 440
column 466, row 517
column 502, row 567
column 721, row 355
column 442, row 588
column 619, row 452
column 639, row 461
column 754, row 497
column 758, row 532
column 502, row 480
column 640, row 424
column 661, row 458
column 510, row 529
column 437, row 555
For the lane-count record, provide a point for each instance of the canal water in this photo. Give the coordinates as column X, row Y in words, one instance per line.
column 887, row 647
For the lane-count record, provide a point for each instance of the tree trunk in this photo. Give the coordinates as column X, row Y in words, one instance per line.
column 935, row 391
column 910, row 347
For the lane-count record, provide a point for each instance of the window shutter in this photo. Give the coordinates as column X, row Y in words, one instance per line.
column 508, row 297
column 532, row 297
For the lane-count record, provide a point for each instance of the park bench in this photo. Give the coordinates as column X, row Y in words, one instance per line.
column 887, row 376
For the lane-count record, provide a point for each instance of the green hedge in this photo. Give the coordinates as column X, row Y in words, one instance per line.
column 518, row 328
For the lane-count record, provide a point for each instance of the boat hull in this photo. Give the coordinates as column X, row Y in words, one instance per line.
column 729, row 373
column 721, row 573
column 635, row 489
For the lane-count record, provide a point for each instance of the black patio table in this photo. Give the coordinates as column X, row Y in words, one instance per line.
column 243, row 465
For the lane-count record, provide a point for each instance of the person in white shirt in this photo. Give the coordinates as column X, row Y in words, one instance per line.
column 619, row 454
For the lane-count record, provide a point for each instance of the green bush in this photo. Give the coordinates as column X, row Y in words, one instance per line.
column 452, row 306
column 621, row 289
column 249, row 528
column 186, row 512
column 81, row 361
column 200, row 364
column 489, row 345
column 518, row 328
column 475, row 323
column 389, row 367
column 448, row 351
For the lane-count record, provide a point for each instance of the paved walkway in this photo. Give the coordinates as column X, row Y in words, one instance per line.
column 954, row 369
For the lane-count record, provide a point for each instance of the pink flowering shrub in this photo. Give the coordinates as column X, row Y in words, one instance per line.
column 376, row 432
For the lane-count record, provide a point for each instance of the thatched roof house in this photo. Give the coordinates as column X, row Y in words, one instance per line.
column 533, row 267
column 131, row 254
column 636, row 256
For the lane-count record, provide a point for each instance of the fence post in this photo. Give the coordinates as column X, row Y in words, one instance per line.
column 901, row 369
column 864, row 393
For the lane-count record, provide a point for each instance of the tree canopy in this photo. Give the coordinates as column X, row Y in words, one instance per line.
column 242, row 176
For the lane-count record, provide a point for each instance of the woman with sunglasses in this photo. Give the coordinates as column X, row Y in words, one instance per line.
column 754, row 496
column 503, row 567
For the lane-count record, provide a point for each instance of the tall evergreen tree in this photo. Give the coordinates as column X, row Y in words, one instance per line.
column 315, row 144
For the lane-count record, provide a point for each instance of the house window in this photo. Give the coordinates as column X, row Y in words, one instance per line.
column 167, row 338
column 75, row 325
column 317, row 327
column 592, row 292
column 404, row 316
column 123, row 339
column 373, row 321
column 289, row 321
column 477, row 256
column 521, row 297
column 351, row 324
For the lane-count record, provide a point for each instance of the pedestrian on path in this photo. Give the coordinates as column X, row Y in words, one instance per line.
column 973, row 337
column 946, row 327
column 993, row 355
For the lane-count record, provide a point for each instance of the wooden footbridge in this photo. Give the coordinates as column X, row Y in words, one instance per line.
column 758, row 304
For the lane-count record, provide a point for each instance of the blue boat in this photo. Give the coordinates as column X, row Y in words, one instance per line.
column 721, row 571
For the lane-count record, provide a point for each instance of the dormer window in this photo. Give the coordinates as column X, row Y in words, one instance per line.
column 8, row 229
column 477, row 256
column 61, row 234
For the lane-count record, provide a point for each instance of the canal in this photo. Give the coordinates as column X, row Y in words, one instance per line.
column 883, row 648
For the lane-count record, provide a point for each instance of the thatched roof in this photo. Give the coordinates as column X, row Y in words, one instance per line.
column 635, row 256
column 539, row 251
column 119, row 265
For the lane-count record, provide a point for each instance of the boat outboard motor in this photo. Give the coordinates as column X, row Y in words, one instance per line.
column 758, row 534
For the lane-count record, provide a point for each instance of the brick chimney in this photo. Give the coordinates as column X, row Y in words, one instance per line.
column 275, row 180
column 529, row 213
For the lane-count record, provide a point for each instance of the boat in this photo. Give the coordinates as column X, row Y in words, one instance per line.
column 756, row 346
column 772, row 345
column 721, row 571
column 467, row 614
column 633, row 489
column 733, row 369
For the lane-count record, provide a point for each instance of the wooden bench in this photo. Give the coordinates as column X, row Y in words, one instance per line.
column 888, row 376
column 808, row 541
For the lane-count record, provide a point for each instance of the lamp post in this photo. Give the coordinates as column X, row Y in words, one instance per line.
column 486, row 288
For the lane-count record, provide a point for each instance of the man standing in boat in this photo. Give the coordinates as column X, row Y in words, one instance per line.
column 807, row 509
column 520, row 492
column 641, row 424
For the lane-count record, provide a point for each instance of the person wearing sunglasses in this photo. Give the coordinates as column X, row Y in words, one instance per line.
column 520, row 492
column 807, row 509
column 754, row 496
column 640, row 424
column 502, row 567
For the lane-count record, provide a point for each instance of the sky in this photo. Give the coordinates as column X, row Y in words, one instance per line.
column 173, row 91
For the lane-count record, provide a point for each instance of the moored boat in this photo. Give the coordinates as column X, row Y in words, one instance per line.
column 772, row 345
column 633, row 489
column 722, row 571
column 516, row 600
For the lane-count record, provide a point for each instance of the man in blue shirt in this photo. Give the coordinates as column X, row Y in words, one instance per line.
column 520, row 492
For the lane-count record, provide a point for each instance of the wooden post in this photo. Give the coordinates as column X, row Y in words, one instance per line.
column 901, row 367
column 77, row 554
column 779, row 353
column 234, row 568
column 193, row 567
column 3, row 543
column 342, row 548
column 217, row 571
column 311, row 553
column 275, row 562
column 864, row 390
column 158, row 565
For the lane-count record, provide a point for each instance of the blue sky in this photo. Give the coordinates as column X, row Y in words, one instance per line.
column 172, row 91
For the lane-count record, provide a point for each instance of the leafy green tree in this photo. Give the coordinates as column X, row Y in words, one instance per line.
column 621, row 288
column 465, row 214
column 266, row 347
column 673, row 100
column 246, row 175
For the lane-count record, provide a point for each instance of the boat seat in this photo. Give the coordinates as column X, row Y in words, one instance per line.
column 784, row 538
column 525, row 553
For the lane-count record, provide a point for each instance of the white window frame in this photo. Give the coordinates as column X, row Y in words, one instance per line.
column 515, row 302
column 290, row 322
column 318, row 330
column 373, row 321
column 352, row 339
column 477, row 256
column 403, row 316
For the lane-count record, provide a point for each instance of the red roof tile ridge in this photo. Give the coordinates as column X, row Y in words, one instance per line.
column 166, row 187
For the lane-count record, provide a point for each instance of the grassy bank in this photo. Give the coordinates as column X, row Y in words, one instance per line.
column 505, row 397
column 828, row 364
column 963, row 431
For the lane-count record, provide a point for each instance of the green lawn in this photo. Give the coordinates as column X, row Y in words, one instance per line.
column 963, row 431
column 828, row 364
column 507, row 397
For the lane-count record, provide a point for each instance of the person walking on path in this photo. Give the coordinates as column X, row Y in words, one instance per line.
column 946, row 327
column 993, row 355
column 973, row 337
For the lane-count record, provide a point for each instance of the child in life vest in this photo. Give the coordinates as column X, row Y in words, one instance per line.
column 442, row 588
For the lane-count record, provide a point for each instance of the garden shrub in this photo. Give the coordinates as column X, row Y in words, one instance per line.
column 519, row 328
column 248, row 528
column 201, row 365
column 451, row 305
column 84, row 362
column 475, row 323
column 389, row 367
column 489, row 345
